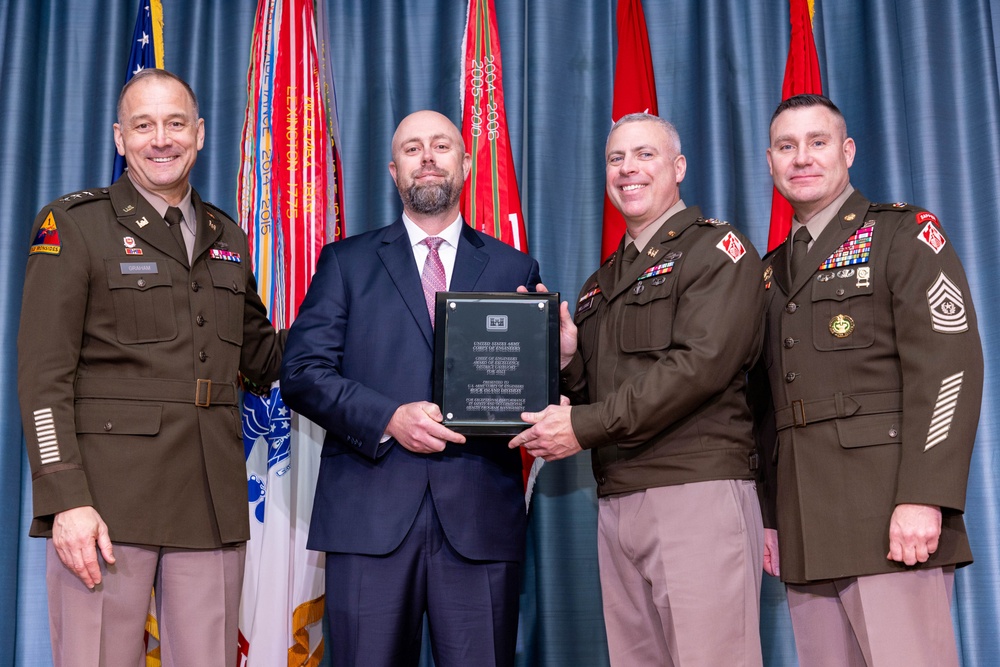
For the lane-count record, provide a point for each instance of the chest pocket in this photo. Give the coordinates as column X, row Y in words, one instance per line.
column 144, row 308
column 841, row 296
column 229, row 286
column 647, row 315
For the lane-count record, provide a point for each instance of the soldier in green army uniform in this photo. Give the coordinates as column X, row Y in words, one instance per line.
column 875, row 369
column 668, row 327
column 133, row 331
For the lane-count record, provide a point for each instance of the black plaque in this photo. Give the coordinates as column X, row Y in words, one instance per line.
column 496, row 355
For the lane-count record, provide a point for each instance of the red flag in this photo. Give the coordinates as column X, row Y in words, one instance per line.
column 801, row 77
column 635, row 91
column 490, row 201
column 289, row 206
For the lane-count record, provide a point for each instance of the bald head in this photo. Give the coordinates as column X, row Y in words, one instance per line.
column 429, row 165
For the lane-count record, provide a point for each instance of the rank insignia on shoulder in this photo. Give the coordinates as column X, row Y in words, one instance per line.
column 225, row 255
column 47, row 239
column 932, row 237
column 715, row 222
column 731, row 245
column 77, row 195
column 927, row 216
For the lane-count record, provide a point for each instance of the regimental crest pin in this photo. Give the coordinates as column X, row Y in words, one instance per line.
column 842, row 326
column 944, row 298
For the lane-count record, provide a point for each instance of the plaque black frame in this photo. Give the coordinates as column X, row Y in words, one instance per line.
column 458, row 312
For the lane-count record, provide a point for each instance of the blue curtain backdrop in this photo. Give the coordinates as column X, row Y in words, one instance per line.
column 917, row 81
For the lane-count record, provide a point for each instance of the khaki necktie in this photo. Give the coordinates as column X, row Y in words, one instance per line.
column 800, row 246
column 628, row 256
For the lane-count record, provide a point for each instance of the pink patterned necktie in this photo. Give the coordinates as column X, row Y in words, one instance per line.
column 433, row 273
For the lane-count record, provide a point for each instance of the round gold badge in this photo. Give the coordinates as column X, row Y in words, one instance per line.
column 842, row 326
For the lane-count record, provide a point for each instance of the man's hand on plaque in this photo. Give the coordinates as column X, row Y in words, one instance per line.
column 567, row 329
column 417, row 427
column 551, row 437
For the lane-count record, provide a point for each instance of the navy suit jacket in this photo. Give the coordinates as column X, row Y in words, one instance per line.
column 361, row 346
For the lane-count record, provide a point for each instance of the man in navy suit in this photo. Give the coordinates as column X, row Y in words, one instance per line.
column 414, row 517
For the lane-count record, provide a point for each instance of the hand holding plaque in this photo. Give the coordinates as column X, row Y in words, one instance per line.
column 496, row 355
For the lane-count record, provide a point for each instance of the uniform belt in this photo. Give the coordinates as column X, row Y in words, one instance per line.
column 203, row 393
column 802, row 413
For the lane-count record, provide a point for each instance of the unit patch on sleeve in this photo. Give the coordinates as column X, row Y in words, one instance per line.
column 944, row 410
column 731, row 245
column 932, row 237
column 927, row 216
column 854, row 250
column 47, row 239
column 947, row 306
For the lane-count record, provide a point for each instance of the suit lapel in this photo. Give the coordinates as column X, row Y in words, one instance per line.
column 397, row 258
column 142, row 220
column 470, row 260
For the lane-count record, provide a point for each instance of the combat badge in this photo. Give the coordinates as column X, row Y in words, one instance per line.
column 47, row 239
column 932, row 237
column 947, row 306
column 731, row 245
column 842, row 326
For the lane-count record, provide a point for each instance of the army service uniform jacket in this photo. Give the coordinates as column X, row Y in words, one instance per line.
column 658, row 380
column 876, row 372
column 127, row 368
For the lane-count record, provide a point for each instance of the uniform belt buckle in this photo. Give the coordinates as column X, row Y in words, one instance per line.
column 203, row 389
column 798, row 413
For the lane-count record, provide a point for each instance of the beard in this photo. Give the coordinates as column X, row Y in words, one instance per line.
column 431, row 198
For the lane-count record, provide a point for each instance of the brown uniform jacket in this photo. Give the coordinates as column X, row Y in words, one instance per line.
column 127, row 368
column 876, row 373
column 662, row 359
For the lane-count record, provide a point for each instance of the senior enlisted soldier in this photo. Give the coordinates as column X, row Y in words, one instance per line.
column 139, row 311
column 876, row 377
column 668, row 328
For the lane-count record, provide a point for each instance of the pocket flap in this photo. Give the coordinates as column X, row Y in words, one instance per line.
column 117, row 418
column 867, row 430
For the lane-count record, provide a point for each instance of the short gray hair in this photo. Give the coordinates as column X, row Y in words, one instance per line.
column 673, row 136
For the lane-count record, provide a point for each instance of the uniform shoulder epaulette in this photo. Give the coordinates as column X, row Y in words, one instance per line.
column 715, row 222
column 893, row 206
column 81, row 197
